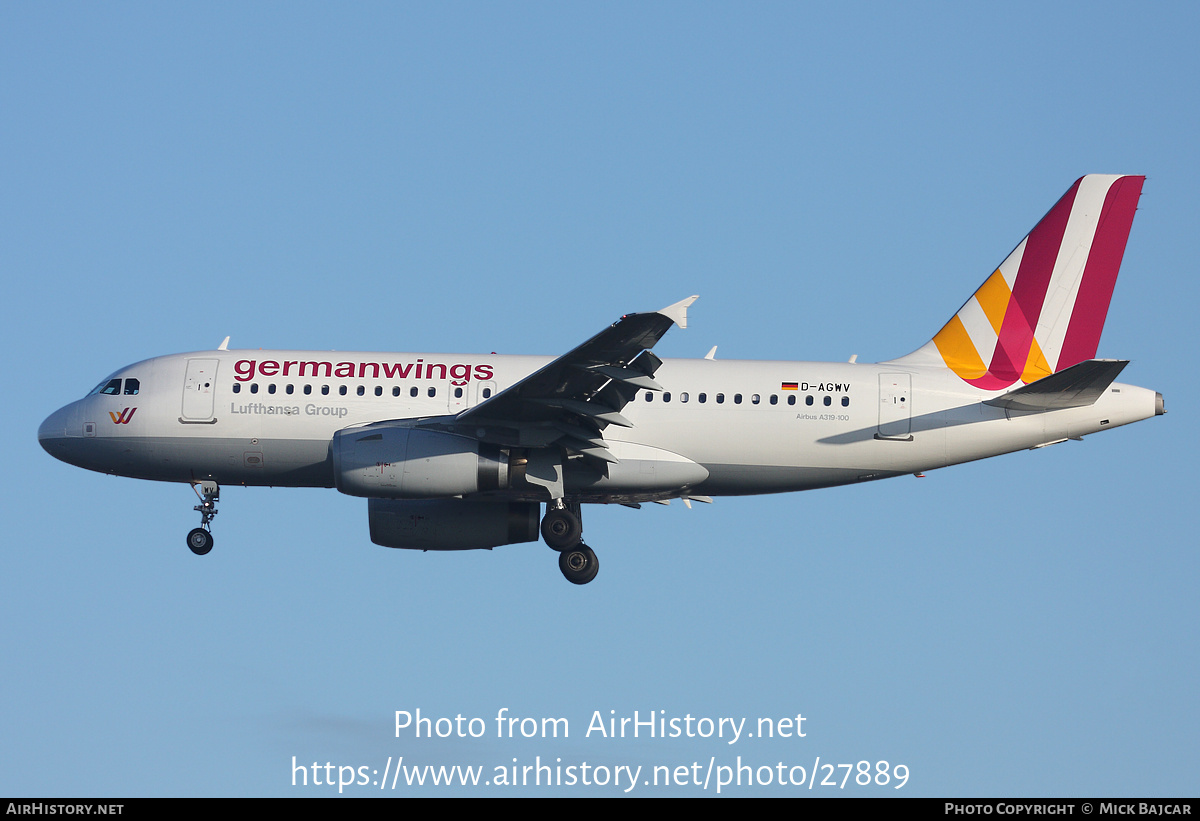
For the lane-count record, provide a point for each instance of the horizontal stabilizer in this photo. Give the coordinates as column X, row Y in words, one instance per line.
column 1075, row 387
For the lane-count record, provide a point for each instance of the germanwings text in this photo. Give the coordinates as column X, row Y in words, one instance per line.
column 459, row 374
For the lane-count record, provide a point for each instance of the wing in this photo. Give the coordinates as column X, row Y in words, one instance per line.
column 572, row 400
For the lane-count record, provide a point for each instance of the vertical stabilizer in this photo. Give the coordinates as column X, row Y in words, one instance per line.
column 1043, row 309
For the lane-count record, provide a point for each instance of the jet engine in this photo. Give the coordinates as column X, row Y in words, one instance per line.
column 411, row 463
column 451, row 524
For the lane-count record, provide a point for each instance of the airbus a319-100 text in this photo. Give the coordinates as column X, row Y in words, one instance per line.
column 455, row 452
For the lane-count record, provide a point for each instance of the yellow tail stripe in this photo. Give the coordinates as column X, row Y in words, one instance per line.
column 957, row 350
column 993, row 296
column 1036, row 365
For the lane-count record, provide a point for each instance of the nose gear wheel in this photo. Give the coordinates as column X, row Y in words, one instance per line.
column 200, row 540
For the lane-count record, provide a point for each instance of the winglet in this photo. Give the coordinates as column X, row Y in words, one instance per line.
column 224, row 346
column 677, row 313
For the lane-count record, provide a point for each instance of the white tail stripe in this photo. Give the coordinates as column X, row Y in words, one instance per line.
column 1068, row 268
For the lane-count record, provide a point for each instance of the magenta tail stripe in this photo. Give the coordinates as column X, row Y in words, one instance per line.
column 1029, row 291
column 1100, row 273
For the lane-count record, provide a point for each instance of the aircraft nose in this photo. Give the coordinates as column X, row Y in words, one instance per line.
column 52, row 433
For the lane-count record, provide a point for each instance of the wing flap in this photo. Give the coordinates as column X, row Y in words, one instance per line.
column 628, row 376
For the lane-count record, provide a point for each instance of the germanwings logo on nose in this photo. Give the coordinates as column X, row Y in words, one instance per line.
column 123, row 418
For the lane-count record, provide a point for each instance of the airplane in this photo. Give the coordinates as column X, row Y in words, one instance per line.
column 460, row 451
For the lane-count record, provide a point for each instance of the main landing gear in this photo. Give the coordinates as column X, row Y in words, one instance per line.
column 200, row 540
column 562, row 528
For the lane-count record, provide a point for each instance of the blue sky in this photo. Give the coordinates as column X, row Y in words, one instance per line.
column 832, row 179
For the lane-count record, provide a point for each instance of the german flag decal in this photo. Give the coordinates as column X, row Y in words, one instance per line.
column 789, row 386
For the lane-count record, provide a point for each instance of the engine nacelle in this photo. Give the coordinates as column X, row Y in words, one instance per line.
column 451, row 524
column 411, row 463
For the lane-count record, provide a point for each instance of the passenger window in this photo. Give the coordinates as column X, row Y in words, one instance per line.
column 649, row 396
column 702, row 398
column 253, row 387
column 683, row 397
column 361, row 390
column 324, row 390
column 307, row 390
column 845, row 401
column 341, row 390
column 271, row 388
column 237, row 387
column 737, row 399
column 808, row 400
column 433, row 392
column 754, row 399
column 289, row 390
column 828, row 401
column 396, row 391
column 132, row 386
column 792, row 399
column 774, row 399
column 667, row 397
column 720, row 398
column 487, row 392
column 412, row 392
column 458, row 393
column 379, row 390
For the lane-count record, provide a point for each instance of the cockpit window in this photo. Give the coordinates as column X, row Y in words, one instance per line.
column 112, row 387
column 132, row 386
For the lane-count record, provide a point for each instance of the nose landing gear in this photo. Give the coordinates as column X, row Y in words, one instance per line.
column 200, row 540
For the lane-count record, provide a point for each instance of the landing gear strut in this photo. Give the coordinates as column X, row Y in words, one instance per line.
column 562, row 528
column 200, row 540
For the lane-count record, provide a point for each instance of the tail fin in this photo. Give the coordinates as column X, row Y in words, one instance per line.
column 1043, row 309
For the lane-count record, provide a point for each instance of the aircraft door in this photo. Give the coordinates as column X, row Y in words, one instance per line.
column 895, row 400
column 199, row 386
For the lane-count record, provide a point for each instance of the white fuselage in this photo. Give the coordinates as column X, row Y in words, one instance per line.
column 269, row 417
